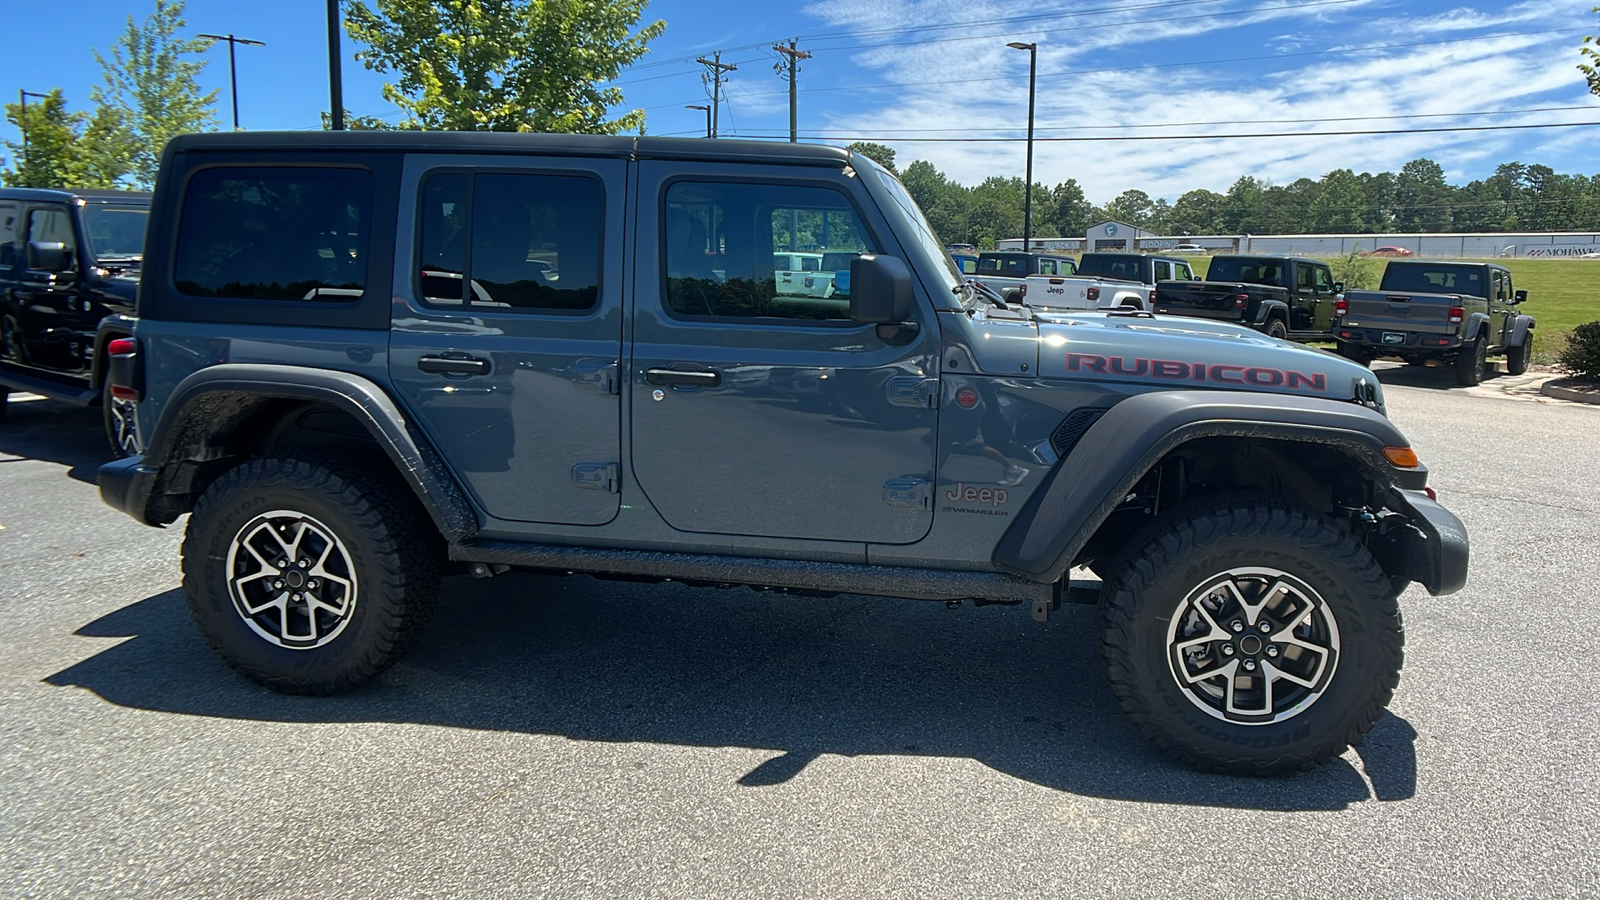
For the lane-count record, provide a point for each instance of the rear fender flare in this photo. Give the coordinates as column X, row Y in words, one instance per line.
column 1083, row 488
column 1270, row 309
column 1476, row 323
column 197, row 397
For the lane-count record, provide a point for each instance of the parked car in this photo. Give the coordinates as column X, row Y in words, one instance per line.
column 962, row 248
column 664, row 414
column 966, row 262
column 1108, row 281
column 1190, row 249
column 1283, row 296
column 1458, row 313
column 1002, row 270
column 69, row 266
column 1389, row 251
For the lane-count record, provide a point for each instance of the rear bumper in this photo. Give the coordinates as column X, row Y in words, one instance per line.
column 1408, row 341
column 126, row 484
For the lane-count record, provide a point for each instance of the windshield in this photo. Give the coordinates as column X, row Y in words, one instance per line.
column 115, row 231
column 1247, row 271
column 915, row 224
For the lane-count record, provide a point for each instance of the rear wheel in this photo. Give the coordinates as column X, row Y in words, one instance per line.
column 11, row 341
column 309, row 578
column 1356, row 353
column 1251, row 637
column 1278, row 330
column 1517, row 358
column 1471, row 362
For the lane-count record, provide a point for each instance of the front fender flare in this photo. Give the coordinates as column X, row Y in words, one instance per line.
column 1519, row 330
column 1083, row 488
column 133, row 484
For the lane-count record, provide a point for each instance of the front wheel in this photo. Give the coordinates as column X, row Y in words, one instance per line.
column 1471, row 362
column 1276, row 329
column 1251, row 637
column 1517, row 358
column 306, row 578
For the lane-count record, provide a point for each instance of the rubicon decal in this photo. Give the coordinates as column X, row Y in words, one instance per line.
column 1178, row 370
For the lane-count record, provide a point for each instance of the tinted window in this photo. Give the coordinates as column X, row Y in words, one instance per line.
column 528, row 241
column 1127, row 268
column 9, row 241
column 1304, row 277
column 1246, row 271
column 1434, row 279
column 275, row 233
column 52, row 224
column 1324, row 281
column 1009, row 266
column 720, row 242
column 1163, row 271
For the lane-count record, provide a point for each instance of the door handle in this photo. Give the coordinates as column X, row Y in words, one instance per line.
column 453, row 365
column 692, row 378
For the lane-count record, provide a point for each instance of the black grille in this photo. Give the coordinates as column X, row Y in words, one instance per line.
column 1071, row 428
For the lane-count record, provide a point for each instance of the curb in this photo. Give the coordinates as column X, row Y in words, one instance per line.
column 1551, row 389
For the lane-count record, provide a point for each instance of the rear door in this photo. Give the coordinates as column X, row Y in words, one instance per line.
column 507, row 328
column 755, row 413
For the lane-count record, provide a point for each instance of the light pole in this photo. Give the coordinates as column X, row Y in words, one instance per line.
column 233, row 77
column 1027, row 192
column 22, row 119
column 708, row 116
column 335, row 75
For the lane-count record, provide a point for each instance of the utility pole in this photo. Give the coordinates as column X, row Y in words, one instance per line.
column 233, row 76
column 717, row 67
column 1027, row 202
column 794, row 56
column 22, row 119
column 335, row 75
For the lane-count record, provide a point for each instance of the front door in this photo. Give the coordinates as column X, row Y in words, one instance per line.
column 767, row 414
column 507, row 328
column 45, row 302
column 1501, row 313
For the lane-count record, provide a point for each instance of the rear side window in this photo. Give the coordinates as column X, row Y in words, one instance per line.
column 275, row 233
column 511, row 241
column 10, row 255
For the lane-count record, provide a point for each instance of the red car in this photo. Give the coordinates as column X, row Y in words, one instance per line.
column 1390, row 251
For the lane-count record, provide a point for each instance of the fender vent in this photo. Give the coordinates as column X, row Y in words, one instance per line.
column 1072, row 428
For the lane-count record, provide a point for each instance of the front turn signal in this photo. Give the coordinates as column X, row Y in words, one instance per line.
column 1402, row 457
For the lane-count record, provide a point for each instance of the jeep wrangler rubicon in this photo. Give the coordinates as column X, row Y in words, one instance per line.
column 357, row 373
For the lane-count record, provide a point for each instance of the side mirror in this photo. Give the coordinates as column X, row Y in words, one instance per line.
column 1338, row 287
column 1519, row 297
column 880, row 290
column 48, row 256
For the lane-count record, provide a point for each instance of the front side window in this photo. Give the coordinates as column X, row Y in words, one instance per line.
column 1305, row 276
column 1324, row 281
column 722, row 243
column 52, row 225
column 275, row 233
column 511, row 241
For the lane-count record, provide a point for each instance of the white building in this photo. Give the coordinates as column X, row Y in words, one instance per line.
column 1481, row 245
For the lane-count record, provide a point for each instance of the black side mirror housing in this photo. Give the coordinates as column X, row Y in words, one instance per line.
column 880, row 290
column 48, row 256
column 1338, row 287
column 1519, row 297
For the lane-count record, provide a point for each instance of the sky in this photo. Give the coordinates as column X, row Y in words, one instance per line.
column 935, row 80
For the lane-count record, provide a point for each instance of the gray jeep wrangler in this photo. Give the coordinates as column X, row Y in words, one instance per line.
column 367, row 360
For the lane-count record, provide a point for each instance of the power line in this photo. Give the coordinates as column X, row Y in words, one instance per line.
column 1193, row 137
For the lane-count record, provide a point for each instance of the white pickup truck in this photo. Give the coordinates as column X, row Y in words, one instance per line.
column 1107, row 281
column 801, row 275
column 1003, row 270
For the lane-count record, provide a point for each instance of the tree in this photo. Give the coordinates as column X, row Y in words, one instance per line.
column 512, row 65
column 1422, row 197
column 878, row 153
column 1339, row 205
column 1133, row 207
column 1067, row 209
column 65, row 149
column 1591, row 67
column 1197, row 212
column 1243, row 204
column 151, row 89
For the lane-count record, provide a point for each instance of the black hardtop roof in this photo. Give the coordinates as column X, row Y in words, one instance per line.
column 1268, row 256
column 55, row 195
column 1133, row 254
column 1445, row 262
column 1035, row 253
column 617, row 147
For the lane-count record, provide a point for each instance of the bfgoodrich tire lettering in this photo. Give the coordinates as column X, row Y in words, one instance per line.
column 1333, row 600
column 309, row 578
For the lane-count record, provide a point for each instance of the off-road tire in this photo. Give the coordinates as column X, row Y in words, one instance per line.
column 1277, row 329
column 394, row 561
column 1356, row 354
column 1471, row 362
column 1517, row 358
column 1162, row 570
column 5, row 401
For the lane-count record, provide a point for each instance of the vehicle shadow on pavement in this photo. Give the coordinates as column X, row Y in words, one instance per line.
column 848, row 676
column 56, row 432
column 1391, row 373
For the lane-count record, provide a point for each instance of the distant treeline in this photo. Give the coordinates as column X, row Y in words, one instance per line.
column 1516, row 197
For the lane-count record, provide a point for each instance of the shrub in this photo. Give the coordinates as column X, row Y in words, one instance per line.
column 1582, row 354
column 1356, row 271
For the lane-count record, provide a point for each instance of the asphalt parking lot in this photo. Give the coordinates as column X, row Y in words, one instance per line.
column 570, row 738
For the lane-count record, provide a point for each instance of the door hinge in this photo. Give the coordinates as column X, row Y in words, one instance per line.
column 602, row 373
column 909, row 390
column 908, row 493
column 597, row 477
